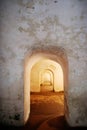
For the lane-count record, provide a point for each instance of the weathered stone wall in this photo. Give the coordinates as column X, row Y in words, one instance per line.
column 27, row 23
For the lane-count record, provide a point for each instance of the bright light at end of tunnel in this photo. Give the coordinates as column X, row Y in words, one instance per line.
column 46, row 75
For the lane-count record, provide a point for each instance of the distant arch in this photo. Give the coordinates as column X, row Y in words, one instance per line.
column 46, row 80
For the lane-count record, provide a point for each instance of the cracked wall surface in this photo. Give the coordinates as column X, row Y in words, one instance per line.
column 25, row 24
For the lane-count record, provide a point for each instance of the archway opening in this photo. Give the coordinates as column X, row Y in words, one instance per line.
column 46, row 90
column 49, row 75
column 46, row 75
column 46, row 81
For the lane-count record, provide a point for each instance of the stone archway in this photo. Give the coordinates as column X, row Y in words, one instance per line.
column 46, row 80
column 54, row 53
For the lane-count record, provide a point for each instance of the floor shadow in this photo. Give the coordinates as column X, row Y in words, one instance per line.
column 58, row 123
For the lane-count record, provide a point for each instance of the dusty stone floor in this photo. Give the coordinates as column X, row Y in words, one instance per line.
column 45, row 106
column 46, row 113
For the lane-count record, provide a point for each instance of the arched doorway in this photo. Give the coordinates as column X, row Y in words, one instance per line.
column 55, row 54
column 46, row 81
column 46, row 75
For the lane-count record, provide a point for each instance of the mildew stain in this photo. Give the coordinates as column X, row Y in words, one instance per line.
column 41, row 2
column 74, row 18
column 2, row 59
column 17, row 117
column 55, row 1
column 81, row 17
column 28, row 4
column 72, row 6
column 21, row 29
column 19, row 11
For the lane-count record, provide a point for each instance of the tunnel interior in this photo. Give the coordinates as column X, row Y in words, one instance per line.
column 46, row 71
column 46, row 75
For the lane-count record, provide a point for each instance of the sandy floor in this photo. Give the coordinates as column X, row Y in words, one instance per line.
column 45, row 106
column 46, row 113
column 47, row 103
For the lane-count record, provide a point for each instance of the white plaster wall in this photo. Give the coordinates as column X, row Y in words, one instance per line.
column 26, row 23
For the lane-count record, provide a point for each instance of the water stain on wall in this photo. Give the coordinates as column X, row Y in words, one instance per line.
column 27, row 4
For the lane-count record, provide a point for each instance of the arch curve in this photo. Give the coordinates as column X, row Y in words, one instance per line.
column 37, row 53
column 46, row 80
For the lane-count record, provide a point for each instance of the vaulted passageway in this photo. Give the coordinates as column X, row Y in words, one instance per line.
column 46, row 75
column 46, row 70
